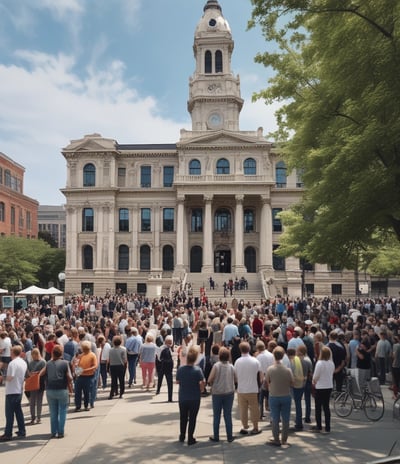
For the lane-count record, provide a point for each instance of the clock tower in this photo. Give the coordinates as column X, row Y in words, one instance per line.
column 214, row 92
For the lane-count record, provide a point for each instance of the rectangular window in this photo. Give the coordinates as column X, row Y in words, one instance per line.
column 21, row 219
column 168, row 176
column 168, row 220
column 278, row 262
column 276, row 222
column 336, row 289
column 309, row 288
column 121, row 177
column 28, row 220
column 87, row 220
column 197, row 220
column 145, row 214
column 1, row 175
column 145, row 176
column 124, row 220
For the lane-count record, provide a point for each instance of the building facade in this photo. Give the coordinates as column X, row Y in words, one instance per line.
column 52, row 219
column 18, row 213
column 141, row 217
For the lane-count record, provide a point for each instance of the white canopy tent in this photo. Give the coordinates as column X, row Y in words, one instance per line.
column 53, row 291
column 2, row 290
column 33, row 290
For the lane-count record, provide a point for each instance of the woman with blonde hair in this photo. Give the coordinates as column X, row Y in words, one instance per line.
column 84, row 373
column 147, row 355
column 36, row 397
column 323, row 384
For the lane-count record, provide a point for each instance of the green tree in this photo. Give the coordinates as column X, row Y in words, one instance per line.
column 24, row 262
column 336, row 66
column 47, row 237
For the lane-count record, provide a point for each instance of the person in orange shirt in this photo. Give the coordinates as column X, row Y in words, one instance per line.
column 84, row 373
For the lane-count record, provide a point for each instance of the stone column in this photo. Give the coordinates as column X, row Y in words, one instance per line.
column 72, row 238
column 99, row 212
column 265, row 233
column 239, row 230
column 180, row 220
column 135, row 249
column 208, row 266
column 155, row 262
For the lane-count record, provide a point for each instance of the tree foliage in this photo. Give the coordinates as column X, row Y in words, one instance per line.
column 336, row 66
column 25, row 262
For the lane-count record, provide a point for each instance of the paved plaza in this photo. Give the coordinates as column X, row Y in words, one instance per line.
column 143, row 428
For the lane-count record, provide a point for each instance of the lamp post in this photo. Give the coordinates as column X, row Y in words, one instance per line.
column 61, row 278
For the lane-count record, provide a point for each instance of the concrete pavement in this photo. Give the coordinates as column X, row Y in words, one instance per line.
column 143, row 428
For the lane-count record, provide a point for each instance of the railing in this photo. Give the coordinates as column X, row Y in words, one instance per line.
column 212, row 178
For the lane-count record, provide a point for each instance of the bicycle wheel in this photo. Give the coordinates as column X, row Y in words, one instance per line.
column 343, row 405
column 374, row 407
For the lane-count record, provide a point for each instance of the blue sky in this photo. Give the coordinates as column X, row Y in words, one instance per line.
column 116, row 67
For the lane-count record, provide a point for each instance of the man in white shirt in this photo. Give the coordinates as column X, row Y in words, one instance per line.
column 14, row 388
column 248, row 371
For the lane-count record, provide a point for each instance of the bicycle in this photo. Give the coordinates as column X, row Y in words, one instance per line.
column 370, row 400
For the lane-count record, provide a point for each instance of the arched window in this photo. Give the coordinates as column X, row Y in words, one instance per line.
column 89, row 175
column 195, row 167
column 87, row 257
column 250, row 167
column 124, row 220
column 222, row 220
column 168, row 258
column 123, row 258
column 2, row 212
column 219, row 67
column 280, row 174
column 87, row 220
column 250, row 259
column 223, row 166
column 249, row 221
column 145, row 261
column 208, row 62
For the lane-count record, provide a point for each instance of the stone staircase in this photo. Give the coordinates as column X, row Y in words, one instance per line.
column 253, row 294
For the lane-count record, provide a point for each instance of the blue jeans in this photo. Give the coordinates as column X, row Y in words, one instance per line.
column 82, row 384
column 280, row 409
column 132, row 363
column 103, row 374
column 307, row 400
column 13, row 406
column 222, row 403
column 297, row 396
column 58, row 406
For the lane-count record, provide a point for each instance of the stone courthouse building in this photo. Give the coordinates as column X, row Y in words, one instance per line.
column 143, row 217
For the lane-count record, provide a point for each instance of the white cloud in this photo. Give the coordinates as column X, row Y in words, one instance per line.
column 46, row 104
column 61, row 9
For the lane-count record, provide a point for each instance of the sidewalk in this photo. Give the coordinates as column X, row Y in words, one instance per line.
column 143, row 428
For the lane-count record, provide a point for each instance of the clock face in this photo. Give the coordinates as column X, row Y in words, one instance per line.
column 215, row 120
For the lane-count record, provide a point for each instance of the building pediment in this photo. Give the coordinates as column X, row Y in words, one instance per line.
column 90, row 143
column 221, row 138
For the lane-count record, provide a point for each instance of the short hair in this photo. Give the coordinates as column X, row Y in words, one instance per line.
column 278, row 353
column 291, row 352
column 244, row 347
column 16, row 350
column 149, row 338
column 35, row 352
column 302, row 350
column 223, row 354
column 57, row 351
column 192, row 355
column 260, row 345
column 326, row 354
column 116, row 340
column 86, row 346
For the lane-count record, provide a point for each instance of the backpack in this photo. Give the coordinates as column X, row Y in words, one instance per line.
column 298, row 373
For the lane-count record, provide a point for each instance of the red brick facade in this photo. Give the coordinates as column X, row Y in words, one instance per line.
column 18, row 213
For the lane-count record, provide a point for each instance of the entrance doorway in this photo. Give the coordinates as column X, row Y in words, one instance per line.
column 222, row 261
column 196, row 259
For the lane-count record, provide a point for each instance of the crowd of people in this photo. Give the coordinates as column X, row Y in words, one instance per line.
column 270, row 354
